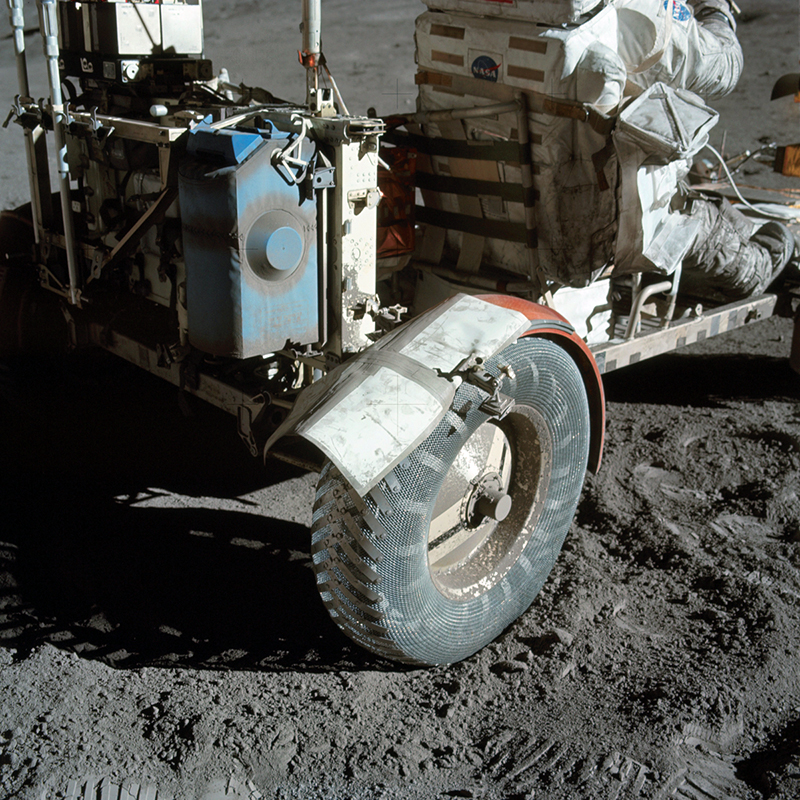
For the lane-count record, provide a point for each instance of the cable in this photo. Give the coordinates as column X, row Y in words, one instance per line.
column 779, row 217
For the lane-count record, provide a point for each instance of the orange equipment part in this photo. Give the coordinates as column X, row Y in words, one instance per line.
column 559, row 332
column 396, row 209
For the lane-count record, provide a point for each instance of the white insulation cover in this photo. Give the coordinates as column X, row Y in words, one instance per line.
column 575, row 215
column 370, row 413
column 656, row 138
column 675, row 49
column 551, row 12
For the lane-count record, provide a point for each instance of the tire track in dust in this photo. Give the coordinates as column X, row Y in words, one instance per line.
column 517, row 764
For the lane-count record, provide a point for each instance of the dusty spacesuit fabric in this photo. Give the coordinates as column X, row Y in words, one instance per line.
column 701, row 54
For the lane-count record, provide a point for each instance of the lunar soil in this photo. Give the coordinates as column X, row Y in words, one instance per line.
column 160, row 629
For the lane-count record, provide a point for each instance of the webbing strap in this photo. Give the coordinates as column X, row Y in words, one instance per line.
column 490, row 228
column 511, row 192
column 457, row 148
column 538, row 103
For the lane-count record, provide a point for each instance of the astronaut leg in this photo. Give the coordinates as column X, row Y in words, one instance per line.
column 731, row 257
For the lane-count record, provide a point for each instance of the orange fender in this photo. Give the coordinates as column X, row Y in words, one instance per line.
column 550, row 324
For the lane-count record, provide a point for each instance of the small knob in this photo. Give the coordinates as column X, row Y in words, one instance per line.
column 493, row 504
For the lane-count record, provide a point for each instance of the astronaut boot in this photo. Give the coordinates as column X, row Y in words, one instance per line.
column 781, row 245
column 728, row 259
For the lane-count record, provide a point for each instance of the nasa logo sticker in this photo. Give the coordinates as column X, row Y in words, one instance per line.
column 679, row 11
column 486, row 68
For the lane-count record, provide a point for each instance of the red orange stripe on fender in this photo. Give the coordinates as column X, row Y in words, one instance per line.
column 554, row 326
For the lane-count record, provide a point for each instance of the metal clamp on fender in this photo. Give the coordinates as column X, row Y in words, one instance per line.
column 370, row 413
column 471, row 371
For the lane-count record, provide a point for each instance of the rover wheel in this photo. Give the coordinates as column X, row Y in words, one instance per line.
column 31, row 322
column 455, row 543
column 16, row 239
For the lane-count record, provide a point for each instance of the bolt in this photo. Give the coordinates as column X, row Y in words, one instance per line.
column 493, row 504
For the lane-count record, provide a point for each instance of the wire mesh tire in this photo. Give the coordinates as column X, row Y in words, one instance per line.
column 456, row 542
column 16, row 240
column 31, row 322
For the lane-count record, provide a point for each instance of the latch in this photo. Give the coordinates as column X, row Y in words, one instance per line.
column 359, row 199
column 471, row 371
column 99, row 131
column 27, row 114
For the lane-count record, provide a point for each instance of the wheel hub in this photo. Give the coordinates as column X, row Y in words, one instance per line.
column 488, row 504
column 489, row 501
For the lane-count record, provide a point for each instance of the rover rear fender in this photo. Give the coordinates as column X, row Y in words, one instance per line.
column 370, row 413
column 549, row 323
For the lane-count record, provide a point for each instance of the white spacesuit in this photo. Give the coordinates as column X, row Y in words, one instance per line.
column 695, row 47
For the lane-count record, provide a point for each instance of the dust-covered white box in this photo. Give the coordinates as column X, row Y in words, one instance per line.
column 550, row 12
column 490, row 59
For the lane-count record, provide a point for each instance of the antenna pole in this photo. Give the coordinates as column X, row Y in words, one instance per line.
column 312, row 48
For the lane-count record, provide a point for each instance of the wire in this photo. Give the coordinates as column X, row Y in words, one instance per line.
column 761, row 213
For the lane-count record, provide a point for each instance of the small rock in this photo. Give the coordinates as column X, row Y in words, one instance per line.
column 509, row 667
column 568, row 669
column 565, row 637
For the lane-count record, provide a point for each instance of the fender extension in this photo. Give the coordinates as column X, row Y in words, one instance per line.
column 548, row 323
column 371, row 412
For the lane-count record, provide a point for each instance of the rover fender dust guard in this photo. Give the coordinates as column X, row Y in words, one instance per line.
column 544, row 321
column 369, row 414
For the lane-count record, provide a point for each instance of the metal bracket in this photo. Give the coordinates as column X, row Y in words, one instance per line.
column 369, row 144
column 497, row 406
column 387, row 318
column 168, row 354
column 324, row 178
column 247, row 415
column 471, row 371
column 97, row 260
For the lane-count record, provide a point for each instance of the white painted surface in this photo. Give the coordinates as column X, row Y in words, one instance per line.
column 469, row 327
column 372, row 426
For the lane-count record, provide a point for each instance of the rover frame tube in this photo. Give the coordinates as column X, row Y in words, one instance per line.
column 48, row 13
column 312, row 45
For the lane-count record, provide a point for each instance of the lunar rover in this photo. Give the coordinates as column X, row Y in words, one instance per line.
column 260, row 255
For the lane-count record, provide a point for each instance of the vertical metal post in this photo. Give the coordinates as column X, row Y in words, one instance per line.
column 312, row 46
column 48, row 17
column 35, row 144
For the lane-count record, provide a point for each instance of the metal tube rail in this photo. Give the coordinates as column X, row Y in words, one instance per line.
column 35, row 146
column 16, row 15
column 48, row 14
column 673, row 296
column 312, row 45
column 641, row 298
